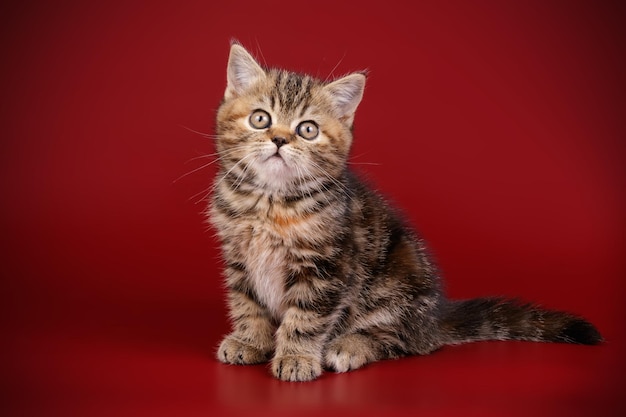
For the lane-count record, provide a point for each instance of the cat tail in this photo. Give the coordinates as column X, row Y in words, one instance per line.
column 503, row 319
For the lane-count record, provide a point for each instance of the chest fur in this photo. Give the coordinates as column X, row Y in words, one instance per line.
column 268, row 245
column 264, row 256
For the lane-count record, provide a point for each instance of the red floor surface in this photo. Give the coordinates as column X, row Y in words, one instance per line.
column 498, row 127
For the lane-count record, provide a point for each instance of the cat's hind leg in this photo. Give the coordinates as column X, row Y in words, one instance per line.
column 351, row 351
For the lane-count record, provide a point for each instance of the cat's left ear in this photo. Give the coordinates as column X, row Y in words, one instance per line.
column 242, row 73
column 347, row 93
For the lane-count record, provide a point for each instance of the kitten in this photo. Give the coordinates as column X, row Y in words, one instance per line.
column 321, row 272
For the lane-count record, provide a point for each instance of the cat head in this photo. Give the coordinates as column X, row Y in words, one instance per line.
column 278, row 129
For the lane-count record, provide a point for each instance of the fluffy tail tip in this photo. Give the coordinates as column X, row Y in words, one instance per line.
column 581, row 332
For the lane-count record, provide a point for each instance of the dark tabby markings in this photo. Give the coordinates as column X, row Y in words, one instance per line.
column 503, row 319
column 292, row 90
column 343, row 280
column 305, row 105
column 273, row 102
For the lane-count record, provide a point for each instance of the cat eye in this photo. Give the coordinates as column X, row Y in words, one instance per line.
column 260, row 119
column 308, row 130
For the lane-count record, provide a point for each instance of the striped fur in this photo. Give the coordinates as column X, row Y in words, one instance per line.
column 321, row 272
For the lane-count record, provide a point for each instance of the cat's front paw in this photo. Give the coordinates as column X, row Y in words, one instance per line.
column 296, row 367
column 232, row 350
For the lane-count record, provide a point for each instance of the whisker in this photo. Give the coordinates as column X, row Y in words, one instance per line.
column 331, row 75
column 363, row 163
column 301, row 181
column 327, row 175
column 351, row 161
column 319, row 186
column 208, row 155
column 342, row 187
column 204, row 135
column 241, row 176
column 250, row 155
column 209, row 190
column 218, row 155
column 195, row 170
column 223, row 153
column 206, row 192
column 258, row 47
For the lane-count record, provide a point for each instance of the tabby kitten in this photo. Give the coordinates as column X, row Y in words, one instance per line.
column 320, row 271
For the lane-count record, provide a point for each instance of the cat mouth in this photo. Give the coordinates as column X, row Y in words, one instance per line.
column 277, row 162
column 276, row 157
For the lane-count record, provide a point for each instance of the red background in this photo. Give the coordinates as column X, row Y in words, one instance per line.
column 497, row 126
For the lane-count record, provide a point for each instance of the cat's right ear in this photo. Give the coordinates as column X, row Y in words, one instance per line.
column 242, row 73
